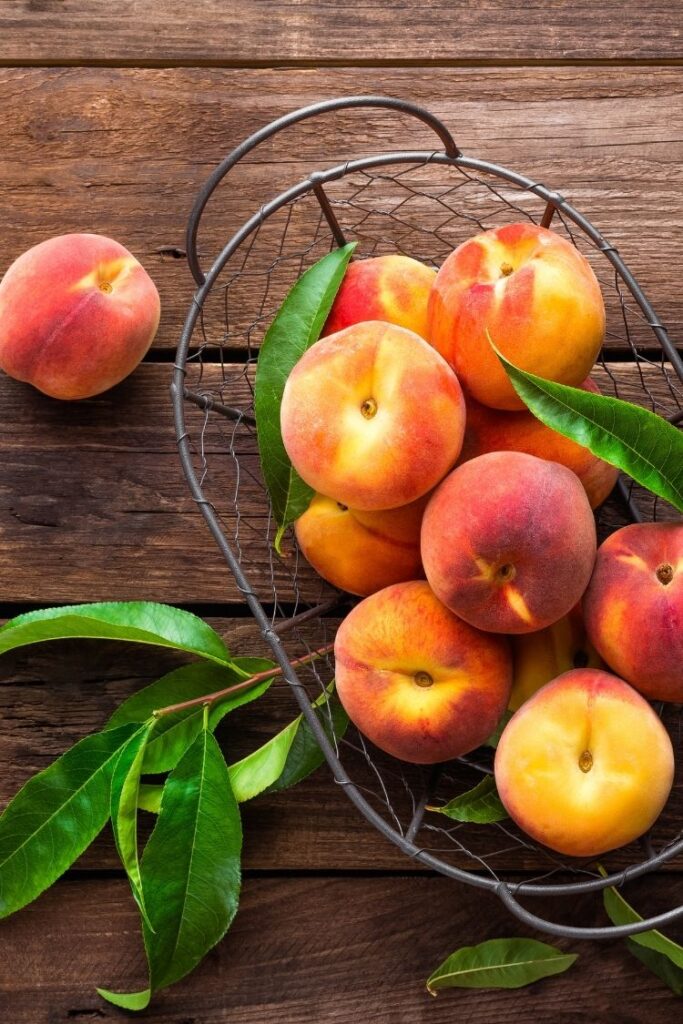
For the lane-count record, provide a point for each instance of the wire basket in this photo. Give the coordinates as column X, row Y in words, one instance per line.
column 423, row 204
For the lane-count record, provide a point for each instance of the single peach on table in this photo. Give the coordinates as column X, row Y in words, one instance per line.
column 372, row 416
column 585, row 765
column 491, row 430
column 77, row 314
column 537, row 297
column 394, row 288
column 634, row 607
column 415, row 679
column 508, row 542
column 540, row 657
column 361, row 552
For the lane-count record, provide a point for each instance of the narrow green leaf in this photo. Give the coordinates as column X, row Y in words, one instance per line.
column 621, row 912
column 143, row 622
column 149, row 797
column 297, row 325
column 174, row 733
column 191, row 864
column 127, row 1000
column 55, row 816
column 481, row 804
column 494, row 738
column 125, row 787
column 635, row 440
column 500, row 963
column 660, row 965
column 279, row 758
column 304, row 755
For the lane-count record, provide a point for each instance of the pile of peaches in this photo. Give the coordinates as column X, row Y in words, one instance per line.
column 467, row 526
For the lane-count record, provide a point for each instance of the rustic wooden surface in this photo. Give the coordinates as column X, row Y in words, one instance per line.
column 110, row 119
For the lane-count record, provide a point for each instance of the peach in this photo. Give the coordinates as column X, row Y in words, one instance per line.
column 393, row 288
column 490, row 430
column 361, row 551
column 585, row 765
column 415, row 679
column 508, row 542
column 634, row 607
column 534, row 293
column 540, row 657
column 77, row 314
column 372, row 416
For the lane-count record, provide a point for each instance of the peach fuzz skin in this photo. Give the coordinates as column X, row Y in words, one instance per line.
column 490, row 430
column 393, row 288
column 77, row 314
column 535, row 294
column 634, row 607
column 361, row 552
column 372, row 416
column 540, row 657
column 586, row 765
column 417, row 681
column 508, row 542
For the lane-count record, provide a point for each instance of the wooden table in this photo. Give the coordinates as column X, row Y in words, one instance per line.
column 110, row 119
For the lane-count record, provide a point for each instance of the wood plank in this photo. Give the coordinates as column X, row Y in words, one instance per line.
column 123, row 153
column 320, row 949
column 72, row 31
column 93, row 505
column 53, row 694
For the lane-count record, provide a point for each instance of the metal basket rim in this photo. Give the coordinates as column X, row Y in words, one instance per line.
column 508, row 892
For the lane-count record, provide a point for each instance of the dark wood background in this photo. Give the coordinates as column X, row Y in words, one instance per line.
column 110, row 119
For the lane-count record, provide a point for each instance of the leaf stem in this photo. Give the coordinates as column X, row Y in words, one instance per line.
column 269, row 673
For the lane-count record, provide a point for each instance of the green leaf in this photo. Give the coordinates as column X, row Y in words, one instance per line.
column 55, row 816
column 174, row 733
column 297, row 325
column 279, row 757
column 149, row 797
column 494, row 738
column 127, row 1000
column 125, row 787
column 621, row 912
column 481, row 804
column 191, row 864
column 660, row 965
column 143, row 622
column 500, row 963
column 635, row 440
column 305, row 756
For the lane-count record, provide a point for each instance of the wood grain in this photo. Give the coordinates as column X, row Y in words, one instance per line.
column 320, row 949
column 93, row 504
column 53, row 694
column 124, row 152
column 272, row 31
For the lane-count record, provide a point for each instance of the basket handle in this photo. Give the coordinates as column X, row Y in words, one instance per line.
column 327, row 106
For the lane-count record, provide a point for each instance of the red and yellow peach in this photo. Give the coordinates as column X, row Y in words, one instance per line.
column 585, row 765
column 77, row 314
column 372, row 416
column 508, row 542
column 535, row 295
column 415, row 679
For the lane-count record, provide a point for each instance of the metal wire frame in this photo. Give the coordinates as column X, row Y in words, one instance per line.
column 506, row 891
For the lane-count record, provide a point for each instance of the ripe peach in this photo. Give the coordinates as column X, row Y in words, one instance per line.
column 394, row 288
column 372, row 416
column 77, row 314
column 634, row 607
column 585, row 765
column 540, row 657
column 490, row 430
column 508, row 542
column 416, row 680
column 361, row 551
column 535, row 294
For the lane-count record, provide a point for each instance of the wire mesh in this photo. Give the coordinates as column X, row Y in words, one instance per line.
column 422, row 209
